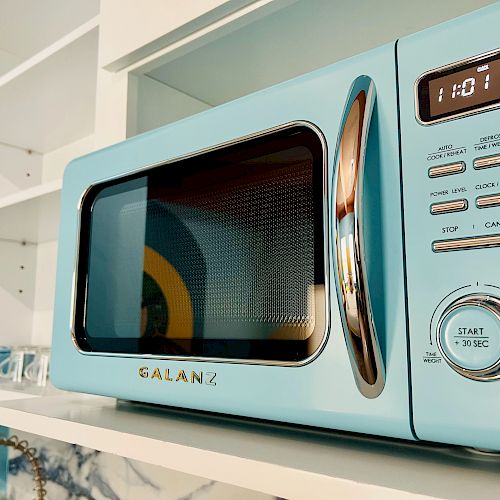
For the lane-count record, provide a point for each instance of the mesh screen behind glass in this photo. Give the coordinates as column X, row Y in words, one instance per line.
column 225, row 248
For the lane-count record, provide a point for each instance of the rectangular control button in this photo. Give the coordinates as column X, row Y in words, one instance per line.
column 466, row 243
column 449, row 169
column 487, row 201
column 447, row 207
column 487, row 162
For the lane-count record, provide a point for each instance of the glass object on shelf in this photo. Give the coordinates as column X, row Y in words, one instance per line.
column 4, row 359
column 23, row 365
column 37, row 371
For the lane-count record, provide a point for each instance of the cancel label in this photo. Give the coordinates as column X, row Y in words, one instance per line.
column 493, row 224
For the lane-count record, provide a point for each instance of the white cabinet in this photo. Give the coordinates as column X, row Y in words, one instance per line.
column 259, row 45
column 88, row 80
column 27, row 27
column 81, row 79
column 47, row 103
column 137, row 29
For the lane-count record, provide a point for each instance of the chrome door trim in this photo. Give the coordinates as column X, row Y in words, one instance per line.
column 354, row 294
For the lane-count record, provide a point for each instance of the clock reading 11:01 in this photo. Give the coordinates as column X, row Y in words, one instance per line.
column 467, row 89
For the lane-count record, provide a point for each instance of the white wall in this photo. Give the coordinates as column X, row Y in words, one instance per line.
column 55, row 162
column 19, row 169
column 17, row 292
column 152, row 104
column 46, row 260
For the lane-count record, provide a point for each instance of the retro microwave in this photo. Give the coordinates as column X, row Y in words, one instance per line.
column 323, row 252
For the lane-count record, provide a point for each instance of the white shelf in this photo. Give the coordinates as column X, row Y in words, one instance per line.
column 19, row 170
column 31, row 215
column 285, row 461
column 31, row 193
column 13, row 395
column 29, row 26
column 49, row 51
column 49, row 100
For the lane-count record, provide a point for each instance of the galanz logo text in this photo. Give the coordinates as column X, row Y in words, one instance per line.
column 193, row 377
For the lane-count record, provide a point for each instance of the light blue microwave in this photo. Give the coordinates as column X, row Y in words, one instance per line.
column 323, row 252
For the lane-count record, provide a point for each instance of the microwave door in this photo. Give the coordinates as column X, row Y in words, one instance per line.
column 352, row 277
column 219, row 256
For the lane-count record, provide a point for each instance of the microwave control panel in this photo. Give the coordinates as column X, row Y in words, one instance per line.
column 464, row 208
column 462, row 186
column 467, row 327
column 450, row 152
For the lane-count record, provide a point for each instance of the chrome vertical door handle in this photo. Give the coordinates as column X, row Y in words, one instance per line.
column 357, row 318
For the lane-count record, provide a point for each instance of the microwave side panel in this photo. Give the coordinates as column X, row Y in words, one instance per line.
column 448, row 406
column 323, row 392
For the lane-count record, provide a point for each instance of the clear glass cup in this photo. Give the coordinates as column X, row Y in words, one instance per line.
column 36, row 371
column 12, row 366
column 4, row 359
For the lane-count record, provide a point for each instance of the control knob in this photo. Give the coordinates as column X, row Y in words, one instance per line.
column 468, row 336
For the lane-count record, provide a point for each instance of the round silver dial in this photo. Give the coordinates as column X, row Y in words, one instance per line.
column 468, row 336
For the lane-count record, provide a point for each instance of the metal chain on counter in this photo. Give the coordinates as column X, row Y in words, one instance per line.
column 29, row 453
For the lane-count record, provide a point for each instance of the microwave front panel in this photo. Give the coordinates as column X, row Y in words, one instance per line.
column 283, row 262
column 451, row 179
column 220, row 255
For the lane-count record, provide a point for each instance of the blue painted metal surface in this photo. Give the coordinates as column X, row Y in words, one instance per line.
column 446, row 407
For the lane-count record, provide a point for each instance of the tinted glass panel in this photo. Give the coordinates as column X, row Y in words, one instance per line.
column 460, row 89
column 218, row 255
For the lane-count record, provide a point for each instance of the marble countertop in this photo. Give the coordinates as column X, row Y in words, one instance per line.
column 279, row 460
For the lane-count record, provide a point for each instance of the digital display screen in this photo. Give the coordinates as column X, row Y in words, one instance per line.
column 460, row 89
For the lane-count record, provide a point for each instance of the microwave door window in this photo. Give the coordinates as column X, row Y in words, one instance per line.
column 115, row 277
column 217, row 256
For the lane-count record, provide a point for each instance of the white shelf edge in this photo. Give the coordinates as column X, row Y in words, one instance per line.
column 31, row 193
column 9, row 394
column 44, row 54
column 262, row 475
column 243, row 15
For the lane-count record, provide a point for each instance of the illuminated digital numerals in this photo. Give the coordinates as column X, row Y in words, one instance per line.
column 472, row 83
column 464, row 89
column 461, row 88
